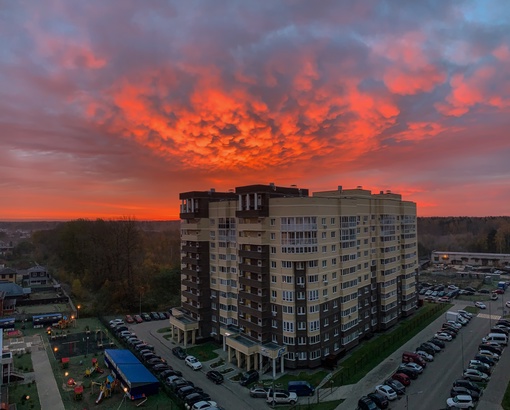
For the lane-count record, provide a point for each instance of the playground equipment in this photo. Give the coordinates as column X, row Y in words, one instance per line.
column 78, row 393
column 65, row 322
column 106, row 388
column 95, row 368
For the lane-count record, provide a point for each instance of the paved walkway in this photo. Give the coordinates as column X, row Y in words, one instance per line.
column 47, row 389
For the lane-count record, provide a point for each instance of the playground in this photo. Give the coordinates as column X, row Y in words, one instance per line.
column 64, row 344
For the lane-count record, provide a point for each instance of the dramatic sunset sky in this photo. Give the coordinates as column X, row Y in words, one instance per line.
column 111, row 108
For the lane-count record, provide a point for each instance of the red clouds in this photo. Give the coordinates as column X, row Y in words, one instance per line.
column 117, row 107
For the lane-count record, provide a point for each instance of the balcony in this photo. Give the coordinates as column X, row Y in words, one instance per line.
column 254, row 312
column 254, row 297
column 190, row 295
column 254, row 268
column 253, row 283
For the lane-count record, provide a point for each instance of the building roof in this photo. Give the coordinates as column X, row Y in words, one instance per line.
column 37, row 268
column 11, row 289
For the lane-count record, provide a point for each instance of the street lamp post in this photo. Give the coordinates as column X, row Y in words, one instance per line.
column 78, row 311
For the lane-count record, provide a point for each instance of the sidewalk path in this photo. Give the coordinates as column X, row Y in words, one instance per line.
column 47, row 389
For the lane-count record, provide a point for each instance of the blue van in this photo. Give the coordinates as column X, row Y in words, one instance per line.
column 301, row 388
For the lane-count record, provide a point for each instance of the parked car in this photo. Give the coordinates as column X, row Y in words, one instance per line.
column 193, row 398
column 279, row 397
column 154, row 315
column 480, row 305
column 443, row 336
column 491, row 348
column 129, row 319
column 438, row 342
column 468, row 384
column 184, row 391
column 412, row 374
column 380, row 400
column 203, row 405
column 248, row 377
column 425, row 355
column 366, row 403
column 455, row 391
column 484, row 291
column 193, row 362
column 475, row 375
column 413, row 366
column 481, row 368
column 137, row 318
column 115, row 322
column 402, row 378
column 386, row 391
column 435, row 347
column 396, row 385
column 499, row 291
column 258, row 392
column 167, row 373
column 494, row 296
column 215, row 376
column 426, row 348
column 485, row 359
column 146, row 317
column 179, row 352
column 460, row 402
column 488, row 353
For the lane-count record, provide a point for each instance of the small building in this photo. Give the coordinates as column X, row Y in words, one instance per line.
column 497, row 260
column 8, row 274
column 131, row 373
column 38, row 275
column 9, row 294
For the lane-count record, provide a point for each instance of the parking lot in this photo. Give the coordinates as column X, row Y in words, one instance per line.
column 229, row 395
column 431, row 390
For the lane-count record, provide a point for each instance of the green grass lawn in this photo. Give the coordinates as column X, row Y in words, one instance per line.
column 373, row 352
column 23, row 362
column 18, row 394
column 313, row 378
column 164, row 330
column 203, row 352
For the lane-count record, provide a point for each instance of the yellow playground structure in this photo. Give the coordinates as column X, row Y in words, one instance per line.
column 106, row 388
column 95, row 368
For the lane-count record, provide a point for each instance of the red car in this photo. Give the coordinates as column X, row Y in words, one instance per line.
column 498, row 291
column 129, row 319
column 402, row 378
column 137, row 318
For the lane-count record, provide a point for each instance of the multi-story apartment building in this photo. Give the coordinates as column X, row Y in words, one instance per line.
column 284, row 279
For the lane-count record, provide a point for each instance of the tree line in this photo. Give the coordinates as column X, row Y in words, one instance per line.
column 464, row 234
column 112, row 265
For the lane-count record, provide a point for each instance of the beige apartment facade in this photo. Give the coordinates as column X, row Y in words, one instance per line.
column 284, row 279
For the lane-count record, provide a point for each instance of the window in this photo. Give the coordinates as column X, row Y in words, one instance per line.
column 274, row 294
column 332, row 221
column 288, row 326
column 273, row 278
column 273, row 249
column 288, row 296
column 333, row 248
column 273, row 236
column 314, row 308
column 313, row 278
column 333, row 234
column 273, row 264
column 313, row 295
column 288, row 309
column 287, row 279
column 324, row 263
column 301, row 325
column 301, row 310
column 324, row 235
column 314, row 325
column 323, row 221
column 273, row 222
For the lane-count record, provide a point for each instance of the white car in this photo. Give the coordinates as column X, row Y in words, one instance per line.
column 193, row 362
column 425, row 355
column 443, row 336
column 461, row 401
column 480, row 305
column 386, row 391
column 413, row 366
column 507, row 304
column 115, row 322
column 203, row 405
column 475, row 375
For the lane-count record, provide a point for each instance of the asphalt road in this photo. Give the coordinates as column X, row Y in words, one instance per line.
column 432, row 388
column 229, row 395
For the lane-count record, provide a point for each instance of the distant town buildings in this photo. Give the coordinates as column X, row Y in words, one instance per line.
column 498, row 260
column 284, row 279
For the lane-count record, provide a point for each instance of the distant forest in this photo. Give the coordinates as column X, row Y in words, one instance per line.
column 113, row 265
column 463, row 234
